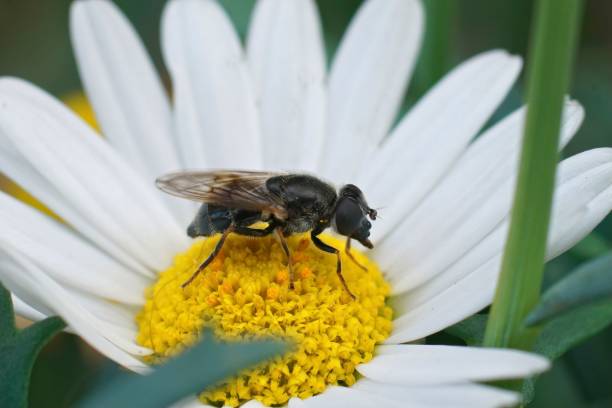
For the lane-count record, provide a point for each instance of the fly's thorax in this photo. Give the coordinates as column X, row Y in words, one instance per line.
column 303, row 191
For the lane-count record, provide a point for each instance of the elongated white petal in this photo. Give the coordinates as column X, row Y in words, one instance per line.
column 21, row 171
column 408, row 364
column 443, row 396
column 582, row 199
column 296, row 403
column 10, row 275
column 434, row 134
column 464, row 207
column 82, row 179
column 287, row 60
column 66, row 257
column 101, row 336
column 367, row 82
column 123, row 87
column 25, row 274
column 24, row 310
column 127, row 95
column 336, row 396
column 214, row 106
column 119, row 315
column 190, row 402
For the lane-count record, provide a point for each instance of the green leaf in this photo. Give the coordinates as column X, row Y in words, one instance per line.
column 590, row 282
column 558, row 336
column 470, row 330
column 573, row 311
column 18, row 351
column 549, row 65
column 592, row 246
column 198, row 368
column 566, row 332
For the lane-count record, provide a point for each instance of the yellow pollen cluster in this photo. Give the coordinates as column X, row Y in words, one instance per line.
column 244, row 293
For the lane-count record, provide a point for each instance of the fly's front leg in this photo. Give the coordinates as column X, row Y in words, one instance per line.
column 211, row 257
column 347, row 251
column 327, row 248
column 283, row 242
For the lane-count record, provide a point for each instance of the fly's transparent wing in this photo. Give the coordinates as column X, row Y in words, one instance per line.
column 238, row 189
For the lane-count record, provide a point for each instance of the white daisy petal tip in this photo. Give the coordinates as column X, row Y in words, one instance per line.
column 123, row 86
column 367, row 79
column 285, row 47
column 435, row 364
column 574, row 114
column 202, row 50
column 460, row 395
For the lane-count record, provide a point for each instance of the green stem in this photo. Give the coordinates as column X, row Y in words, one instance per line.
column 554, row 38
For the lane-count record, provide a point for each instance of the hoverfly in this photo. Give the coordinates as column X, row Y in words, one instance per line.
column 234, row 200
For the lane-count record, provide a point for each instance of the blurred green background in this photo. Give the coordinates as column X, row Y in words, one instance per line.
column 35, row 45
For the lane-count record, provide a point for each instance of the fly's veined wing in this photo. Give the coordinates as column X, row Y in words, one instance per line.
column 239, row 189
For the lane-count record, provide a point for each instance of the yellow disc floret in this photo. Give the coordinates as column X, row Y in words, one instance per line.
column 245, row 293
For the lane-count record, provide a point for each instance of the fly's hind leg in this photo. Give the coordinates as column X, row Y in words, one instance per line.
column 211, row 257
column 327, row 248
column 283, row 242
column 347, row 251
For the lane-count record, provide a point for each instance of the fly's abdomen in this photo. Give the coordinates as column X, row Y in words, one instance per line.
column 209, row 220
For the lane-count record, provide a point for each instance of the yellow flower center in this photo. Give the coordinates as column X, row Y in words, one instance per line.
column 244, row 293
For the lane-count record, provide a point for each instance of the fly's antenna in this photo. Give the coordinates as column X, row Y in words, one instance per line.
column 374, row 213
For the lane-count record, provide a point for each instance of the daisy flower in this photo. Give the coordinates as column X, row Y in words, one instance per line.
column 113, row 270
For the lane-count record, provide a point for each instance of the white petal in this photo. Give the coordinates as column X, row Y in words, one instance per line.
column 127, row 95
column 22, row 309
column 466, row 206
column 214, row 106
column 36, row 278
column 101, row 336
column 296, row 403
column 433, row 135
column 125, row 91
column 443, row 396
column 582, row 199
column 190, row 402
column 66, row 257
column 336, row 396
column 367, row 82
column 408, row 364
column 287, row 60
column 22, row 172
column 119, row 315
column 85, row 181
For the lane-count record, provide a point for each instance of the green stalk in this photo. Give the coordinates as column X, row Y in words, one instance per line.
column 554, row 39
column 434, row 58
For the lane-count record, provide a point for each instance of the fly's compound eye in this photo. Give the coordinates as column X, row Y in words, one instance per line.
column 348, row 216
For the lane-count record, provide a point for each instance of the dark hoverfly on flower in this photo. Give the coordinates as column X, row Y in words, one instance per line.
column 234, row 200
